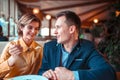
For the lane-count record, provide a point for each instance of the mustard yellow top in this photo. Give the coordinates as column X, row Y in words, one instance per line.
column 29, row 61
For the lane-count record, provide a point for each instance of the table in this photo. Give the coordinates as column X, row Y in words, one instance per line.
column 29, row 77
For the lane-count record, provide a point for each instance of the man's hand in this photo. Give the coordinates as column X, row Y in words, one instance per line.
column 63, row 74
column 50, row 75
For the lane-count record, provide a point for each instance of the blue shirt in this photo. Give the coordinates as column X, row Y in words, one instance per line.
column 65, row 55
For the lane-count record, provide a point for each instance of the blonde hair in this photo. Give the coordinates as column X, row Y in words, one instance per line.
column 25, row 20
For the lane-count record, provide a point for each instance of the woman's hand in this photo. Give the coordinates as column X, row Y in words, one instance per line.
column 14, row 50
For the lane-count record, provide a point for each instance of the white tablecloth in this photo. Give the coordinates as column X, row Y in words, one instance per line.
column 29, row 77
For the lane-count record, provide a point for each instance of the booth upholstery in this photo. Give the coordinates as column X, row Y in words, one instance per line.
column 4, row 43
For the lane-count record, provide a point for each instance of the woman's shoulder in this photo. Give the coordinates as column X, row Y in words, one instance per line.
column 37, row 44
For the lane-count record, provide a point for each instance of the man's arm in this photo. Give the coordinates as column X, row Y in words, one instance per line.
column 44, row 61
column 100, row 69
column 47, row 61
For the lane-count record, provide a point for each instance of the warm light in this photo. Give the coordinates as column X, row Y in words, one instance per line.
column 45, row 31
column 36, row 10
column 95, row 20
column 117, row 13
column 48, row 17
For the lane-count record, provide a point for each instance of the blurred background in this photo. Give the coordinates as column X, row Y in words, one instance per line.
column 91, row 12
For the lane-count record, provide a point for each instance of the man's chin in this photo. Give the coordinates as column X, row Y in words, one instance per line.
column 58, row 42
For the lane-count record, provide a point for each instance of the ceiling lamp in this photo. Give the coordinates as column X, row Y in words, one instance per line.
column 117, row 13
column 95, row 20
column 29, row 0
column 48, row 17
column 35, row 10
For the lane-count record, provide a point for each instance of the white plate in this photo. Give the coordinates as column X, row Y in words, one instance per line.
column 29, row 77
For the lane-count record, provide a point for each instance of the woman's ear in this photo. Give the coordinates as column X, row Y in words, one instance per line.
column 21, row 28
column 72, row 29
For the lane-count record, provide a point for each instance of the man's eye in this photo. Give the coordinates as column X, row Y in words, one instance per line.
column 57, row 26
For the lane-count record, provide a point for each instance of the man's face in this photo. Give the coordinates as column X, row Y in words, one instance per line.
column 62, row 30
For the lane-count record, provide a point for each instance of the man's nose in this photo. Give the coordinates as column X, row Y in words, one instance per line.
column 55, row 31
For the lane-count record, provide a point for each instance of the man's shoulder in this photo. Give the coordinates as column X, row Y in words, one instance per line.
column 86, row 43
column 51, row 42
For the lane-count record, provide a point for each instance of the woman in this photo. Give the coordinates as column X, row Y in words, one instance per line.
column 24, row 55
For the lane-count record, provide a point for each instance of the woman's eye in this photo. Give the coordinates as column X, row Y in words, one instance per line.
column 36, row 28
column 57, row 26
column 29, row 27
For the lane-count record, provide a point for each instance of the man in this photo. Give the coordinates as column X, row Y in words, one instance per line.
column 70, row 58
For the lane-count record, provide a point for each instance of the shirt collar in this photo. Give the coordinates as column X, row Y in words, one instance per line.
column 63, row 49
column 25, row 47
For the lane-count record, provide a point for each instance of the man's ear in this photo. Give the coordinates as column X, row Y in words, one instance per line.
column 72, row 29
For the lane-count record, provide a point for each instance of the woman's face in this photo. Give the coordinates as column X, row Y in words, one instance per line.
column 30, row 31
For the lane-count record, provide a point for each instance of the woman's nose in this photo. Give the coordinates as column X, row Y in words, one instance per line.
column 33, row 31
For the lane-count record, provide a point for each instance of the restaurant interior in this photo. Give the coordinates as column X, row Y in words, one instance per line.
column 91, row 13
column 97, row 17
